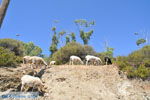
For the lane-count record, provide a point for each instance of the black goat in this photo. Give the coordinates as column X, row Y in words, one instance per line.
column 107, row 60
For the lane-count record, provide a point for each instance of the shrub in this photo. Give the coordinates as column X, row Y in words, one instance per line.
column 63, row 54
column 142, row 72
column 8, row 58
column 20, row 48
column 13, row 45
column 31, row 49
column 139, row 56
column 136, row 64
column 122, row 65
column 146, row 63
column 130, row 71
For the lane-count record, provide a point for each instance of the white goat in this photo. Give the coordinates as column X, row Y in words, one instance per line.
column 38, row 61
column 52, row 63
column 34, row 60
column 75, row 59
column 96, row 60
column 27, row 60
column 31, row 81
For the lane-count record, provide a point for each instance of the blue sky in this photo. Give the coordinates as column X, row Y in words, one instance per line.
column 116, row 21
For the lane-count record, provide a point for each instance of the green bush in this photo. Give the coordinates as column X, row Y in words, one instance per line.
column 136, row 64
column 130, row 71
column 17, row 49
column 8, row 58
column 13, row 45
column 139, row 56
column 20, row 48
column 146, row 63
column 63, row 54
column 31, row 49
column 122, row 65
column 142, row 72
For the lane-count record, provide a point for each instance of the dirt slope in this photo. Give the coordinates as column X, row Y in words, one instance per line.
column 67, row 82
column 92, row 83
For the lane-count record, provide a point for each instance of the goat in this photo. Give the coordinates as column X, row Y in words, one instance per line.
column 75, row 59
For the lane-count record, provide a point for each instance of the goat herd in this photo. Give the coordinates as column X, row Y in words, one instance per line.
column 32, row 81
column 37, row 61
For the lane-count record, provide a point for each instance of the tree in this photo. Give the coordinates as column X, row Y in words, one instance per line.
column 60, row 35
column 31, row 49
column 3, row 9
column 73, row 37
column 81, row 25
column 140, row 41
column 67, row 39
column 7, row 57
column 13, row 45
column 142, row 38
column 85, row 36
column 20, row 48
column 73, row 48
column 55, row 41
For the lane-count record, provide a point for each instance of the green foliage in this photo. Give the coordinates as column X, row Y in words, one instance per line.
column 8, row 58
column 17, row 49
column 122, row 65
column 53, row 48
column 73, row 37
column 146, row 63
column 85, row 36
column 13, row 45
column 130, row 71
column 142, row 38
column 81, row 22
column 60, row 36
column 61, row 33
column 109, row 52
column 136, row 64
column 84, row 23
column 140, row 41
column 63, row 54
column 31, row 50
column 53, row 28
column 138, row 57
column 67, row 39
column 55, row 41
column 142, row 72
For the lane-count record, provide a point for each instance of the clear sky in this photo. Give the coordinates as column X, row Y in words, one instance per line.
column 116, row 21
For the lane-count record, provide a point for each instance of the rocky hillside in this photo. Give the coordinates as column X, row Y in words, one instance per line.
column 67, row 82
column 93, row 83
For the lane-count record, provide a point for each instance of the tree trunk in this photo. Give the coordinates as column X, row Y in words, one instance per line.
column 3, row 9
